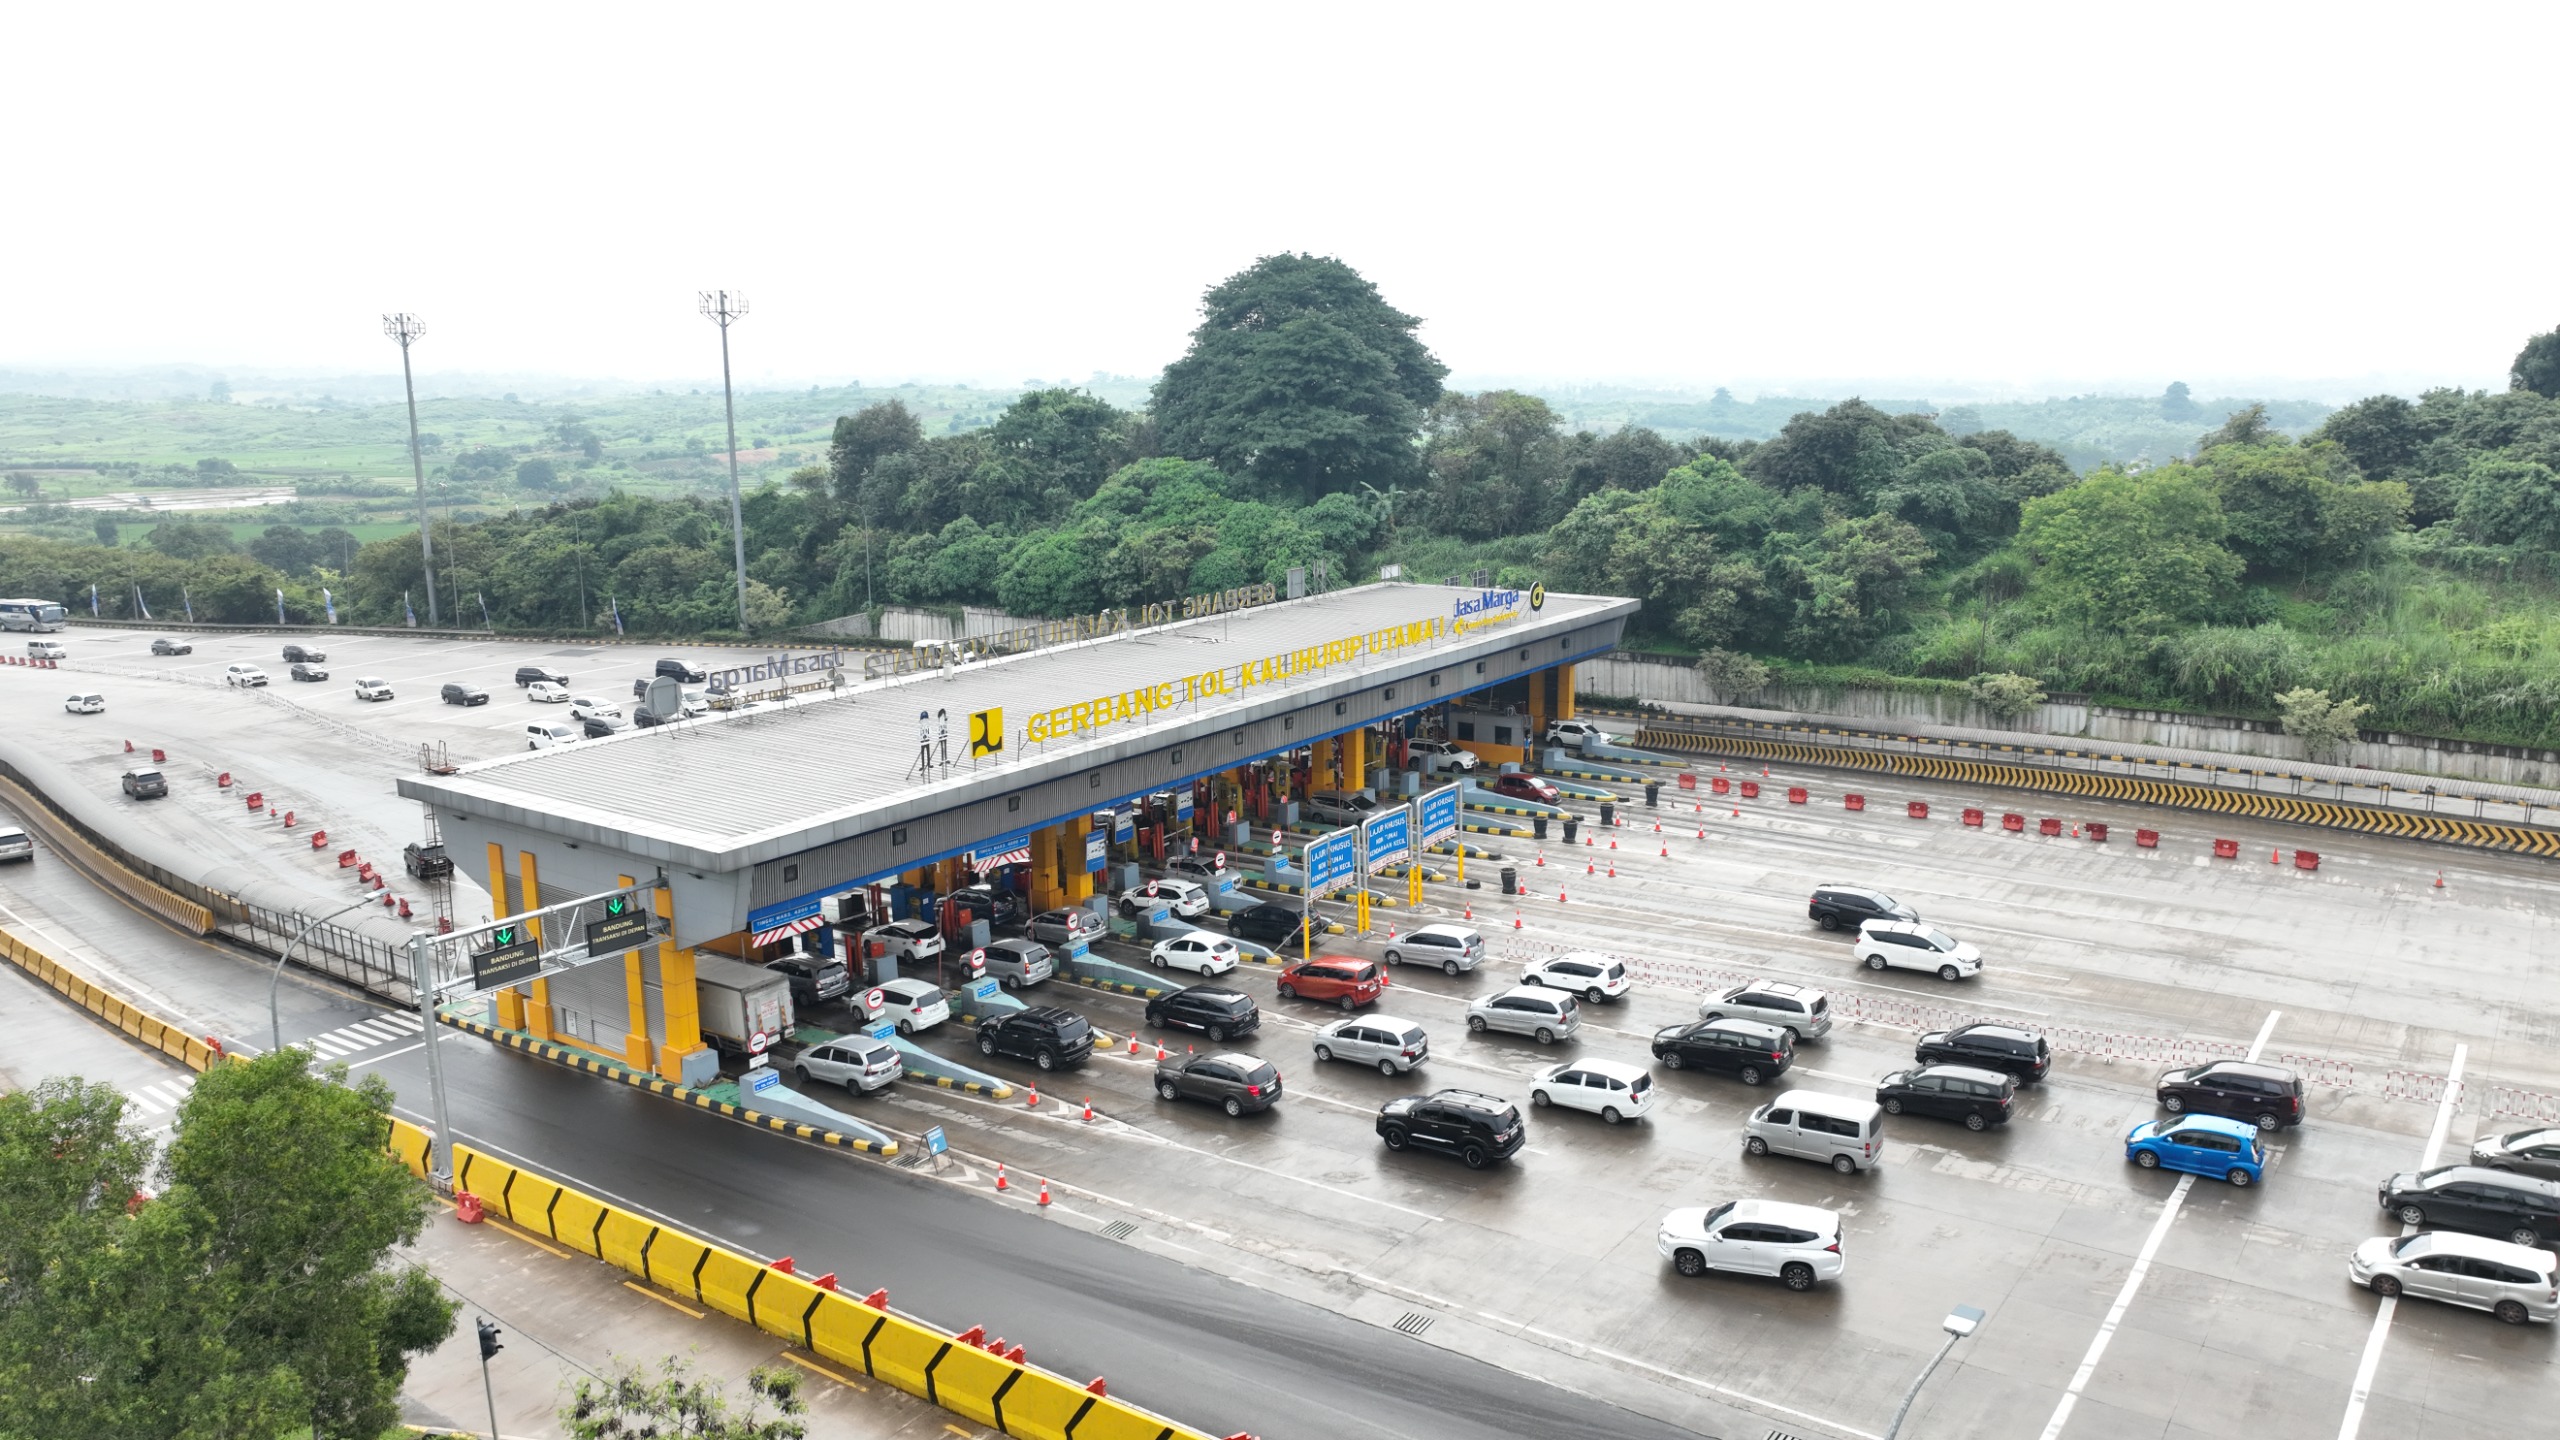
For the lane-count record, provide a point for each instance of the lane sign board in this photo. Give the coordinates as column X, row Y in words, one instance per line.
column 513, row 955
column 624, row 927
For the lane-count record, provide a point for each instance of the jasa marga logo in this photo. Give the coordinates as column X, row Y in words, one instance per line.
column 1492, row 607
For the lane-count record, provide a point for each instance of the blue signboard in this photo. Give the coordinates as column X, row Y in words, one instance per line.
column 783, row 913
column 1182, row 805
column 1093, row 851
column 1124, row 826
column 1387, row 837
column 885, row 1030
column 986, row 989
column 1439, row 814
column 934, row 1143
column 987, row 851
column 1332, row 861
column 760, row 1081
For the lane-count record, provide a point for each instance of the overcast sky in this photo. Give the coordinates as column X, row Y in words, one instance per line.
column 2043, row 197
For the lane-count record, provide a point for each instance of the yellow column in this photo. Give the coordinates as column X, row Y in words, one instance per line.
column 635, row 989
column 676, row 996
column 1046, row 892
column 1355, row 759
column 1072, row 876
column 1324, row 761
column 510, row 1002
column 537, row 1016
column 1564, row 691
column 1538, row 684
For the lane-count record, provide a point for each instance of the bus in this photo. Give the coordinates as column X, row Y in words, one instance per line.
column 40, row 616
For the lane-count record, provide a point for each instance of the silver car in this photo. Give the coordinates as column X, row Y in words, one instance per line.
column 2513, row 1282
column 856, row 1062
column 1020, row 962
column 1451, row 947
column 1800, row 1010
column 1394, row 1046
column 14, row 844
column 1057, row 927
column 1545, row 1015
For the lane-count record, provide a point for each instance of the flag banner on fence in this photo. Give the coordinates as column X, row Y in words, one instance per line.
column 93, row 602
column 141, row 606
column 280, row 609
column 189, row 601
column 329, row 603
column 616, row 608
column 412, row 610
column 484, row 611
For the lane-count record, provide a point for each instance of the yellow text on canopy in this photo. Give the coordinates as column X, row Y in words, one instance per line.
column 1146, row 700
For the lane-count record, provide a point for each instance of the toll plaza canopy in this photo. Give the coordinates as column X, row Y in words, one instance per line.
column 819, row 792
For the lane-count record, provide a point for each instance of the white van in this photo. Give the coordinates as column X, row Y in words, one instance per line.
column 549, row 735
column 1841, row 1131
column 47, row 650
column 91, row 704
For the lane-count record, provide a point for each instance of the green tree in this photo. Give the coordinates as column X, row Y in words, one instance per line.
column 2380, row 433
column 209, row 466
column 1851, row 451
column 2511, row 502
column 288, row 548
column 537, row 474
column 2325, row 727
column 2242, row 427
column 2005, row 695
column 1496, row 463
column 675, row 1404
column 1301, row 376
column 866, row 437
column 2537, row 366
column 2175, row 402
column 190, row 539
column 105, row 529
column 1730, row 674
column 25, row 484
column 1059, row 446
column 2132, row 554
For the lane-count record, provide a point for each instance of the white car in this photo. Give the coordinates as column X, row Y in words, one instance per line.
column 243, row 675
column 373, row 687
column 857, row 1062
column 1442, row 755
column 696, row 702
column 588, row 707
column 1394, row 1046
column 544, row 692
column 1587, row 973
column 1910, row 945
column 550, row 735
column 1800, row 1244
column 86, row 704
column 2513, row 1282
column 1610, row 1089
column 914, row 1004
column 907, row 940
column 1574, row 732
column 1182, row 897
column 1209, row 954
column 48, row 650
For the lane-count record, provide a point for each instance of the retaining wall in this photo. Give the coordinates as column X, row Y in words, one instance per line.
column 906, row 623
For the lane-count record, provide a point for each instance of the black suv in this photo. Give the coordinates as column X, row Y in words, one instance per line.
column 679, row 671
column 1979, row 1098
column 2009, row 1049
column 460, row 694
column 599, row 727
column 2517, row 1208
column 1747, row 1049
column 1845, row 907
column 2268, row 1095
column 998, row 908
column 305, row 670
column 304, row 652
column 1267, row 924
column 1478, row 1129
column 815, row 980
column 1049, row 1036
column 527, row 674
column 1213, row 1010
column 172, row 647
column 1234, row 1083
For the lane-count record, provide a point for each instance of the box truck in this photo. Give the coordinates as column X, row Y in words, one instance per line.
column 745, row 1010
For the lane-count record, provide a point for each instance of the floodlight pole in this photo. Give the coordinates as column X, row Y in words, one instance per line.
column 405, row 328
column 275, row 1024
column 1960, row 1322
column 723, row 309
column 421, row 976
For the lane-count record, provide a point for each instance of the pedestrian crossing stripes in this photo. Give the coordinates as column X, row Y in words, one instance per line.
column 364, row 1035
column 163, row 1097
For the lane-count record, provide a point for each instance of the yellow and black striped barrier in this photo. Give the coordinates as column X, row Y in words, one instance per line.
column 2330, row 814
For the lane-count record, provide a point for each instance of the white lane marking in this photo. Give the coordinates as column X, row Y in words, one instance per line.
column 386, row 1055
column 2362, row 1390
column 328, row 1048
column 2133, row 1280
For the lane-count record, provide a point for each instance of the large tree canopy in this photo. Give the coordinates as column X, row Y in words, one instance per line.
column 1302, row 377
column 2133, row 554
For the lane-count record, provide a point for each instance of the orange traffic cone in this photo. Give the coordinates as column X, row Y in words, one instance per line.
column 1002, row 1184
column 1559, row 897
column 2075, row 832
column 1737, row 812
column 1613, row 842
column 1471, row 913
column 1088, row 1109
column 1590, row 840
column 2275, row 857
column 1542, row 859
column 1613, row 869
column 1033, row 1103
column 1161, row 1056
column 1657, row 827
column 1133, row 1042
column 1515, row 919
column 1666, row 850
column 1702, row 832
column 2439, row 879
column 1590, row 867
column 1044, row 1194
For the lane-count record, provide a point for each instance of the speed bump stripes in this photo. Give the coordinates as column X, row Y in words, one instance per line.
column 2328, row 814
column 588, row 1064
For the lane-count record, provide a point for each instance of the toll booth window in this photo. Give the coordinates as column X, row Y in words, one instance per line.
column 1501, row 734
column 1466, row 729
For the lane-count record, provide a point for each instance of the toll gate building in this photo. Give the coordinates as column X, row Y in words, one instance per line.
column 858, row 801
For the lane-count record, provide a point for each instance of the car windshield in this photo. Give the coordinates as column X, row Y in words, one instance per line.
column 1719, row 1212
column 1938, row 940
column 2406, row 1243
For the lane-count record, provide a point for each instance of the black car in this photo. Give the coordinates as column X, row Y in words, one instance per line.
column 1979, row 1098
column 1049, row 1036
column 1846, row 907
column 172, row 647
column 644, row 718
column 1267, row 924
column 985, row 902
column 527, row 674
column 2009, row 1049
column 1746, row 1049
column 1234, row 1083
column 305, row 670
column 600, row 726
column 2517, row 1208
column 815, row 979
column 304, row 652
column 2267, row 1095
column 459, row 694
column 678, row 670
column 1213, row 1010
column 2527, row 1152
column 1478, row 1129
column 426, row 862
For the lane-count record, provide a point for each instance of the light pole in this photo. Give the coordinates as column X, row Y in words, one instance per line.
column 1959, row 1323
column 723, row 309
column 406, row 328
column 275, row 1026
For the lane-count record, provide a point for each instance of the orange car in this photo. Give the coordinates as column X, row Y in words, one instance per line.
column 1346, row 980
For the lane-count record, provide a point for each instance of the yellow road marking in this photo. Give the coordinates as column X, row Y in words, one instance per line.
column 638, row 1289
column 815, row 1368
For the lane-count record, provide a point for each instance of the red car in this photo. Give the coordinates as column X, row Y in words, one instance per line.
column 1346, row 980
column 1527, row 787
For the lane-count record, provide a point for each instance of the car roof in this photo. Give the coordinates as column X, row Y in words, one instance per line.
column 1463, row 932
column 1014, row 944
column 1780, row 987
column 1968, row 1072
column 1811, row 1217
column 1339, row 960
column 1996, row 1030
column 1905, row 927
column 2440, row 1242
column 1051, row 1013
column 909, row 985
column 2216, row 1123
column 1534, row 992
column 1588, row 957
column 2483, row 1175
column 1757, row 1029
column 2250, row 1067
column 1233, row 1057
column 1471, row 1099
column 1209, row 992
column 1615, row 1069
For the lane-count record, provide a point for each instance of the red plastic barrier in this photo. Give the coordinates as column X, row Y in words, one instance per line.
column 159, row 756
column 1688, row 781
column 2226, row 849
column 319, row 838
column 257, row 799
column 1917, row 809
column 1795, row 795
column 1973, row 817
column 377, row 882
column 2013, row 822
column 404, row 909
column 2306, row 859
column 2097, row 832
column 223, row 779
column 2048, row 826
column 1721, row 785
column 1854, row 802
column 128, row 747
column 346, row 859
column 444, row 924
column 466, row 1207
column 2147, row 839
column 288, row 819
column 1750, row 789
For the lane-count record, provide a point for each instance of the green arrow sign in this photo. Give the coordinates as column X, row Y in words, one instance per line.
column 616, row 905
column 503, row 935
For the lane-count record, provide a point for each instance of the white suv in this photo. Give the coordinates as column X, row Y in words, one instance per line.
column 1593, row 976
column 1610, row 1089
column 1181, row 897
column 549, row 735
column 1574, row 732
column 1199, row 950
column 1909, row 945
column 1800, row 1244
column 1443, row 755
column 373, row 687
column 243, row 675
column 905, row 940
column 1451, row 947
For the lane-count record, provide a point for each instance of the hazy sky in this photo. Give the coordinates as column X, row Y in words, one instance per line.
column 2050, row 196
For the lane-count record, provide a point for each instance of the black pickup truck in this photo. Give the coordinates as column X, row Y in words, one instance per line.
column 426, row 862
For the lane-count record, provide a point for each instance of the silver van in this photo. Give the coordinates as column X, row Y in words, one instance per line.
column 1394, row 1046
column 1546, row 1015
column 1019, row 962
column 857, row 1062
column 1451, row 947
column 1841, row 1131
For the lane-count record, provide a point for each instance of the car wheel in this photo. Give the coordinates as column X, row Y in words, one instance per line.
column 1595, row 995
column 986, row 1044
column 1449, row 968
column 2524, row 1235
column 2386, row 1286
column 1827, row 922
column 1475, row 1157
column 1217, row 1033
column 1799, row 1276
column 1476, row 1023
column 2146, row 1159
column 1348, row 1004
column 1011, row 983
column 1750, row 1074
column 906, row 1027
column 1395, row 957
column 1234, row 1107
column 1045, row 1060
column 1793, row 1038
column 1167, row 1090
column 1672, row 1060
column 2173, row 1104
column 2238, row 1177
column 1286, row 993
column 1394, row 1137
column 1387, row 1068
column 1754, row 1145
column 1539, row 1099
column 1875, row 962
column 1844, row 1164
column 800, row 1073
column 1610, row 1114
column 853, row 1086
column 1949, row 973
column 1156, row 959
column 1546, row 1036
column 1324, row 1052
column 1975, row 1121
column 1892, row 1107
column 2267, row 1122
column 1689, row 1262
column 2512, row 1311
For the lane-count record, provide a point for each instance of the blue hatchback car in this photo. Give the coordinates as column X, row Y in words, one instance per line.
column 2206, row 1145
